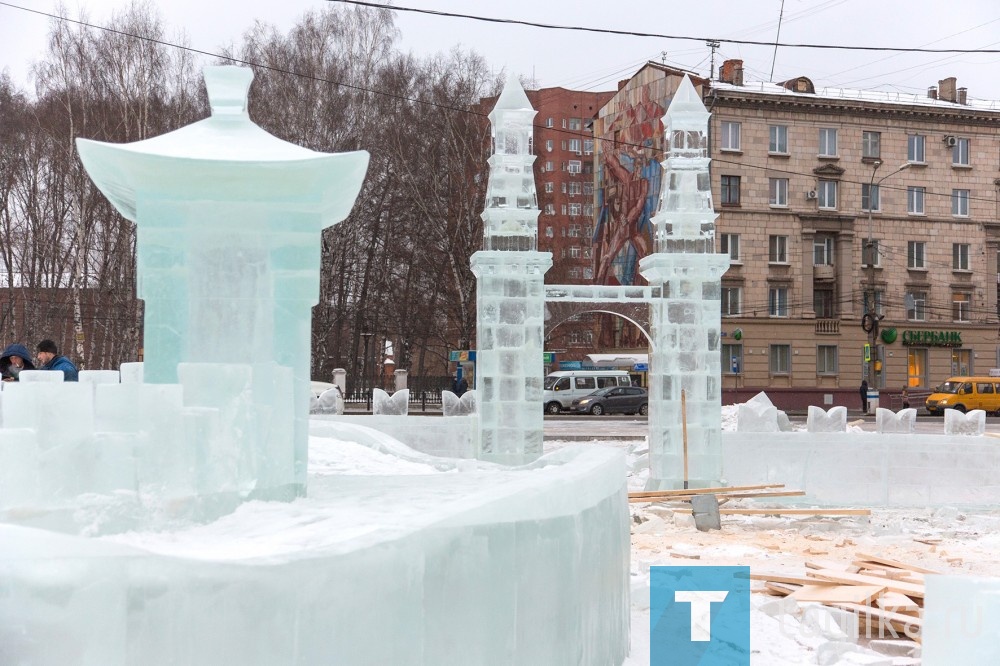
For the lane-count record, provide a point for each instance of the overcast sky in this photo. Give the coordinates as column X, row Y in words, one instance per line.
column 592, row 61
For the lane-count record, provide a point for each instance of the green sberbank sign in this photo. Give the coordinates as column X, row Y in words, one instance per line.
column 933, row 338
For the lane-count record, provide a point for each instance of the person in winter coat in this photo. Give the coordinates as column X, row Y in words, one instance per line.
column 14, row 359
column 48, row 355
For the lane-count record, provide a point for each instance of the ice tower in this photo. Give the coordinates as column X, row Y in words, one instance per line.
column 228, row 222
column 686, row 319
column 510, row 291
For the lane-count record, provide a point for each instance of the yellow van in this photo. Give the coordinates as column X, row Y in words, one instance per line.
column 964, row 394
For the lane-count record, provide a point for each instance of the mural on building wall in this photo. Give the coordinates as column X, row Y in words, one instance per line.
column 630, row 172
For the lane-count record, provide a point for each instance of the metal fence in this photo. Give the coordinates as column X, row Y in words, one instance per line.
column 424, row 392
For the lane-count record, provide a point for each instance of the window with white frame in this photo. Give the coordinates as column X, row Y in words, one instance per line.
column 869, row 197
column 588, row 146
column 550, row 188
column 550, row 209
column 575, row 188
column 828, row 194
column 777, row 191
column 826, row 360
column 588, row 210
column 960, row 203
column 575, row 123
column 915, row 254
column 549, row 123
column 549, row 232
column 576, row 146
column 827, row 142
column 564, row 188
column 548, row 145
column 574, row 273
column 549, row 167
column 730, row 244
column 587, row 253
column 574, row 231
column 732, row 358
column 915, row 200
column 574, row 252
column 870, row 254
column 915, row 148
column 563, row 144
column 960, row 153
column 732, row 298
column 575, row 209
column 781, row 359
column 960, row 305
column 916, row 305
column 779, row 140
column 871, row 145
column 777, row 301
column 575, row 166
column 778, row 250
column 823, row 251
column 960, row 256
column 588, row 189
column 730, row 135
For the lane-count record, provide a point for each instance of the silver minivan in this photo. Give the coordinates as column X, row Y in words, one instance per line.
column 563, row 387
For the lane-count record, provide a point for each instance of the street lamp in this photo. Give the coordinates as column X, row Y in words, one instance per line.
column 870, row 320
column 364, row 372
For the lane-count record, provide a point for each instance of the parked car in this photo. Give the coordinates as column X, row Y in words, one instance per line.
column 325, row 398
column 563, row 387
column 965, row 394
column 612, row 400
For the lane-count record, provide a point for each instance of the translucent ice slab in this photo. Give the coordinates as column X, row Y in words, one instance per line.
column 820, row 420
column 887, row 421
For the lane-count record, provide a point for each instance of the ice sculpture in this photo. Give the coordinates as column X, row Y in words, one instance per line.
column 396, row 404
column 452, row 405
column 686, row 319
column 228, row 223
column 820, row 420
column 901, row 423
column 959, row 423
column 510, row 291
column 757, row 415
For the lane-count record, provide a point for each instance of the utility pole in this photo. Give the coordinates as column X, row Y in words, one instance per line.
column 712, row 44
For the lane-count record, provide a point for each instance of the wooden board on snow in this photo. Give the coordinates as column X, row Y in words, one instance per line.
column 909, row 589
column 847, row 594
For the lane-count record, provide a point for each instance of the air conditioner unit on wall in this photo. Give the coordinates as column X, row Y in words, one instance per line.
column 950, row 141
column 811, row 194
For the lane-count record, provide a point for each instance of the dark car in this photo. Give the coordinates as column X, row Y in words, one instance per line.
column 612, row 400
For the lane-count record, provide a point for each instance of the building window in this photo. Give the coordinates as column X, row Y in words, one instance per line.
column 915, row 254
column 960, row 256
column 574, row 252
column 575, row 209
column 777, row 301
column 869, row 197
column 575, row 188
column 574, row 231
column 549, row 123
column 588, row 273
column 548, row 145
column 823, row 303
column 871, row 145
column 732, row 359
column 961, row 362
column 916, row 367
column 575, row 166
column 732, row 298
column 960, row 153
column 915, row 200
column 823, row 251
column 778, row 250
column 575, row 146
column 730, row 244
column 960, row 305
column 730, row 190
column 960, row 203
column 586, row 253
column 916, row 305
column 575, row 124
column 588, row 189
column 778, row 191
column 550, row 209
column 730, row 135
column 781, row 359
column 779, row 140
column 574, row 273
column 588, row 210
column 915, row 149
column 562, row 209
column 826, row 360
column 549, row 233
column 562, row 144
column 549, row 167
column 588, row 146
column 870, row 254
column 827, row 142
column 550, row 188
column 828, row 194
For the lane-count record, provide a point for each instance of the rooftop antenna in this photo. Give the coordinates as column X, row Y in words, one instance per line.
column 712, row 44
column 781, row 15
column 663, row 57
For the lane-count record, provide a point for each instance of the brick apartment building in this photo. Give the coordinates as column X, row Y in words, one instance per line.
column 795, row 171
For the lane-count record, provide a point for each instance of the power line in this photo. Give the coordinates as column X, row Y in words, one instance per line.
column 631, row 33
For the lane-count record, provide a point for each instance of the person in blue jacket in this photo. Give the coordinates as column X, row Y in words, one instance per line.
column 48, row 355
column 13, row 360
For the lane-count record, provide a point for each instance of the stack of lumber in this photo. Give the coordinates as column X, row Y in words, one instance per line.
column 724, row 494
column 886, row 595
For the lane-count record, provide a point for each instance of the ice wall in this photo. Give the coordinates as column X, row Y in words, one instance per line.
column 686, row 319
column 228, row 222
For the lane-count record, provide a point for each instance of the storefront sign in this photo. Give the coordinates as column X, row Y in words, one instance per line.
column 933, row 338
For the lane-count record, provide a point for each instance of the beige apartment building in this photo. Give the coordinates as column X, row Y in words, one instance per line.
column 795, row 172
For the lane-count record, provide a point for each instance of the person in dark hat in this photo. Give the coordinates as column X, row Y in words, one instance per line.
column 13, row 360
column 48, row 355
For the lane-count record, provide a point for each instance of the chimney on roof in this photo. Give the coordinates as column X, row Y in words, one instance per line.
column 963, row 95
column 946, row 89
column 622, row 83
column 932, row 92
column 731, row 72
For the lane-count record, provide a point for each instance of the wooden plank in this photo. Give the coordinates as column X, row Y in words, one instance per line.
column 831, row 565
column 796, row 512
column 687, row 498
column 844, row 578
column 897, row 603
column 869, row 569
column 897, row 564
column 785, row 578
column 911, row 626
column 701, row 491
column 848, row 594
column 781, row 589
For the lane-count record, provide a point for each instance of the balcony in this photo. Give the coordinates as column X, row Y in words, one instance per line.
column 827, row 327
